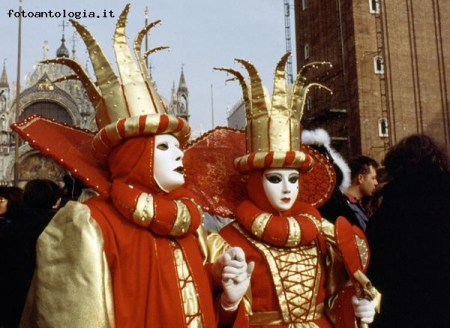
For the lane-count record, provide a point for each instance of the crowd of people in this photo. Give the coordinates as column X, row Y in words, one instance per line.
column 128, row 246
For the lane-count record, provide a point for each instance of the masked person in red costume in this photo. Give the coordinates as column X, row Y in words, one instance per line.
column 300, row 273
column 135, row 256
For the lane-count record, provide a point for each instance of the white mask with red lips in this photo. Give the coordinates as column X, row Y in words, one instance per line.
column 281, row 187
column 168, row 164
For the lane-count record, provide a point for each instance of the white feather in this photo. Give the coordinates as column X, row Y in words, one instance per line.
column 321, row 137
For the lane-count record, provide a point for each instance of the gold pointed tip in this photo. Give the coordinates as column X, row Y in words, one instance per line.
column 74, row 22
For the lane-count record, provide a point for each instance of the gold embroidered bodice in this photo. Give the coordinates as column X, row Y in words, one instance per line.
column 296, row 273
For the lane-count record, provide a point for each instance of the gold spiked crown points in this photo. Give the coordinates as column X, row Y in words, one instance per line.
column 273, row 125
column 128, row 105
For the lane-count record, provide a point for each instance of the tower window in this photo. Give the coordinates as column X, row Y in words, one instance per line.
column 306, row 51
column 383, row 128
column 374, row 6
column 378, row 65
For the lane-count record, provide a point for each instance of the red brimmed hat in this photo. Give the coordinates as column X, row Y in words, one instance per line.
column 74, row 148
column 221, row 188
column 69, row 146
column 273, row 130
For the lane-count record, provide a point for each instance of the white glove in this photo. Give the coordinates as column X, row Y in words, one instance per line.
column 236, row 275
column 364, row 309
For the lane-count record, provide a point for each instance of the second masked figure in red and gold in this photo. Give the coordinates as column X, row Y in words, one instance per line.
column 299, row 277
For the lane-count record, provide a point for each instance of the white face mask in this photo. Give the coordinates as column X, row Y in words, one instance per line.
column 168, row 165
column 281, row 187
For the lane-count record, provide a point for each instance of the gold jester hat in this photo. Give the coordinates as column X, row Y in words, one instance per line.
column 128, row 106
column 125, row 107
column 273, row 127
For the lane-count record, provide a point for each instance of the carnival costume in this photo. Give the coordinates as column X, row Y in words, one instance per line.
column 135, row 256
column 299, row 275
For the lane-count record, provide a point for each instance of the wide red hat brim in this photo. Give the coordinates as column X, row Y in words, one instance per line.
column 70, row 146
column 210, row 172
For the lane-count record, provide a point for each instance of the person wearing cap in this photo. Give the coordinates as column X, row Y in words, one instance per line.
column 299, row 273
column 136, row 255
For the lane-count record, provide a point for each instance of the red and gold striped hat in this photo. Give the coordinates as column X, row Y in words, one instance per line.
column 125, row 106
column 273, row 127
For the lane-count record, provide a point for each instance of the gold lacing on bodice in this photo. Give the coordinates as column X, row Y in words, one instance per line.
column 296, row 273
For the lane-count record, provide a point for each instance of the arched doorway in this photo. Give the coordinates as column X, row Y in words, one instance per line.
column 48, row 109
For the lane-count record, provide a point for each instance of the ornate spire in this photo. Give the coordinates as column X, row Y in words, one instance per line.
column 182, row 86
column 4, row 79
column 173, row 104
column 62, row 50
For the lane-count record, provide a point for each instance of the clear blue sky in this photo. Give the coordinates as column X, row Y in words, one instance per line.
column 201, row 34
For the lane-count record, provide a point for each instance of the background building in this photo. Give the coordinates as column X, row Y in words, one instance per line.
column 391, row 64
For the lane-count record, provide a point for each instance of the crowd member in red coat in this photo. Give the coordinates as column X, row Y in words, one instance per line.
column 298, row 270
column 136, row 255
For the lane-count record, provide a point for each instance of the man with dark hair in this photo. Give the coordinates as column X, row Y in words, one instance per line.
column 363, row 183
column 42, row 193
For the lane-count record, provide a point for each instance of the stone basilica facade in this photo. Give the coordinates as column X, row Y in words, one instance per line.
column 47, row 94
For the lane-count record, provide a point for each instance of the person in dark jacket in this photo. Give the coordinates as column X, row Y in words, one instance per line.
column 363, row 184
column 409, row 236
column 18, row 246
